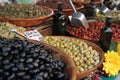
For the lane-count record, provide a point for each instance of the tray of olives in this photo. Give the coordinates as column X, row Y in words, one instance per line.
column 66, row 6
column 32, row 60
column 25, row 14
column 86, row 55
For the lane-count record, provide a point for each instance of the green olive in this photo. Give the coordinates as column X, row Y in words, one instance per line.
column 84, row 56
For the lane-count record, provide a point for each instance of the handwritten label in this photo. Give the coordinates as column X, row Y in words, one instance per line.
column 33, row 34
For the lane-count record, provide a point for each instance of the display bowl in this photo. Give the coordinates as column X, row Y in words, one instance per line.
column 58, row 54
column 93, row 32
column 53, row 42
column 28, row 22
column 53, row 4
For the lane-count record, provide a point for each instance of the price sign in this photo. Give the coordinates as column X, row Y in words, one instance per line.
column 33, row 34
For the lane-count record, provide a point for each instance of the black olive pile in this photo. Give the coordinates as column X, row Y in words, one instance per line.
column 23, row 60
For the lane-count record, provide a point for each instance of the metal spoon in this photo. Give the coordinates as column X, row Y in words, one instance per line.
column 116, row 2
column 78, row 18
column 14, row 31
column 105, row 9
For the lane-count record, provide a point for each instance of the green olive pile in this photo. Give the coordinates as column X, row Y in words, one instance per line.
column 22, row 11
column 115, row 15
column 84, row 56
column 5, row 30
column 23, row 60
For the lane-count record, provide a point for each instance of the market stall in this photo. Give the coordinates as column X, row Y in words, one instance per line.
column 59, row 40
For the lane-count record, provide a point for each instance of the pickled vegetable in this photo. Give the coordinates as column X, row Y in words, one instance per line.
column 22, row 11
column 84, row 56
column 115, row 15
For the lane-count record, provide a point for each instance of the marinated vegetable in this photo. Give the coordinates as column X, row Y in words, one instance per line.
column 5, row 28
column 22, row 11
column 23, row 60
column 84, row 56
column 93, row 33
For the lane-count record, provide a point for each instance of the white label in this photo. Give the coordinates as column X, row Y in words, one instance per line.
column 33, row 34
column 70, row 17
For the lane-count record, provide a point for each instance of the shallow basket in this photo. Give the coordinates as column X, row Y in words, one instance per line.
column 70, row 67
column 95, row 47
column 27, row 22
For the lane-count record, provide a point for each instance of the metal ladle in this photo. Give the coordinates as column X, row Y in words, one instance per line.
column 14, row 31
column 105, row 9
column 78, row 18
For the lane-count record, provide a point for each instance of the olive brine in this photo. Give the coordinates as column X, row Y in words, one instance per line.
column 23, row 60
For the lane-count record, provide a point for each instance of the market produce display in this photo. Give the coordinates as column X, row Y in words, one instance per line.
column 53, row 4
column 93, row 32
column 5, row 30
column 66, row 4
column 23, row 60
column 22, row 11
column 84, row 56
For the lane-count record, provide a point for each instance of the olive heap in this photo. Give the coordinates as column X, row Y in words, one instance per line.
column 23, row 11
column 5, row 30
column 84, row 56
column 23, row 60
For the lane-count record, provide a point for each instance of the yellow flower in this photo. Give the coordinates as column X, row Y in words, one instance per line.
column 118, row 48
column 112, row 63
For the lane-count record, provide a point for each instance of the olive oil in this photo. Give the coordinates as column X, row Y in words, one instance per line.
column 60, row 21
column 106, row 35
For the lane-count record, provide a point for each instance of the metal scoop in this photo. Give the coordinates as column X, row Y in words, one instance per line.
column 78, row 18
column 14, row 31
column 105, row 9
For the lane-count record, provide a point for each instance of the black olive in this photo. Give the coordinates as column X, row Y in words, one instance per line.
column 29, row 60
column 26, row 77
column 38, row 77
column 14, row 69
column 20, row 74
column 23, row 60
